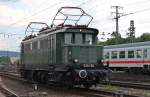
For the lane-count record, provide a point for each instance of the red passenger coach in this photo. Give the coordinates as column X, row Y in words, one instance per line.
column 132, row 56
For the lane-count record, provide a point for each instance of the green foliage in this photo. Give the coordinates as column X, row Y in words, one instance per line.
column 113, row 41
column 4, row 60
column 144, row 37
column 119, row 40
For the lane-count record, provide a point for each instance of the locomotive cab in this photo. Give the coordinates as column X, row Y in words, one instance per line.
column 83, row 55
column 80, row 47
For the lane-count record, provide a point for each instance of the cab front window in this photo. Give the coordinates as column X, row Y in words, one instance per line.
column 68, row 38
column 79, row 38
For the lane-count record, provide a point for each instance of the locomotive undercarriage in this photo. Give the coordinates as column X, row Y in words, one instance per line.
column 69, row 78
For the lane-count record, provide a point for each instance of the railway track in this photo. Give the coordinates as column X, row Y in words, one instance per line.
column 128, row 84
column 103, row 93
column 122, row 76
column 131, row 80
column 5, row 91
column 80, row 91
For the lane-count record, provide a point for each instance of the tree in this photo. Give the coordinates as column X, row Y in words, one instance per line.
column 145, row 37
column 4, row 60
column 120, row 40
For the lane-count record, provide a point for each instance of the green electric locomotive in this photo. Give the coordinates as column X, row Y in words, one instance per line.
column 65, row 54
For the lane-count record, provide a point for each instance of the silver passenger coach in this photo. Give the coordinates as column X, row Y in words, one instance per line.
column 135, row 56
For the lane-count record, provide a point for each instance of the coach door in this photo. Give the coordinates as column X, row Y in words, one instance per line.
column 145, row 61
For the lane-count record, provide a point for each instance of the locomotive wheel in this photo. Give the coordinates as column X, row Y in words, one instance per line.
column 35, row 77
column 69, row 84
column 39, row 76
column 67, row 81
column 43, row 77
column 25, row 74
column 87, row 86
column 22, row 72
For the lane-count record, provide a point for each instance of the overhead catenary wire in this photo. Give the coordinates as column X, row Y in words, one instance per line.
column 39, row 12
column 137, row 2
column 42, row 10
column 36, row 13
column 135, row 12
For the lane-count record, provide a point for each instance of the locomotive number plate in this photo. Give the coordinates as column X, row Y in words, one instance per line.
column 88, row 65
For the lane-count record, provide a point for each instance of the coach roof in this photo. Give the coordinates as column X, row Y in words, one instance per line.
column 147, row 43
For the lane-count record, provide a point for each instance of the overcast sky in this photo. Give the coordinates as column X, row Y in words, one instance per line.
column 16, row 14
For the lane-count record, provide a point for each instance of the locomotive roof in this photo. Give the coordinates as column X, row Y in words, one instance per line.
column 69, row 29
column 62, row 30
column 147, row 43
column 67, row 19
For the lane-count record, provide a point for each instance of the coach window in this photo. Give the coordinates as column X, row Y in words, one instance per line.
column 145, row 53
column 107, row 55
column 130, row 54
column 139, row 53
column 114, row 54
column 122, row 54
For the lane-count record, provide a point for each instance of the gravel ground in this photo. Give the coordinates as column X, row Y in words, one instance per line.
column 1, row 84
column 137, row 78
column 1, row 95
column 123, row 90
column 24, row 89
column 123, row 75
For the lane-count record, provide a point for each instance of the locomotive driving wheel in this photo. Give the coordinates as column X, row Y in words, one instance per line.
column 67, row 80
column 87, row 85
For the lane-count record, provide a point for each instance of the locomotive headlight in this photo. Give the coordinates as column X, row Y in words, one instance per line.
column 76, row 60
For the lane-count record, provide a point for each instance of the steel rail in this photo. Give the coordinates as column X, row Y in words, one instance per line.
column 128, row 84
